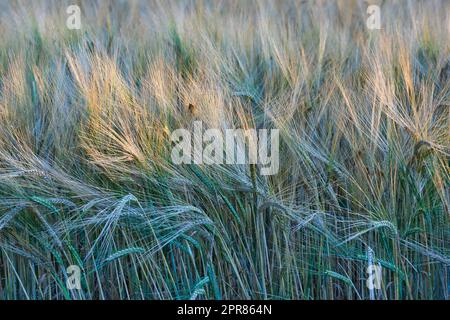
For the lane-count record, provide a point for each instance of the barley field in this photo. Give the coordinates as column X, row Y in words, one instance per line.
column 87, row 180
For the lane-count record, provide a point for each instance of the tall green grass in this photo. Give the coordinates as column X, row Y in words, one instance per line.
column 85, row 171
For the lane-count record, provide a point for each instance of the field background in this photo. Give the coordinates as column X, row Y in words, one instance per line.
column 86, row 176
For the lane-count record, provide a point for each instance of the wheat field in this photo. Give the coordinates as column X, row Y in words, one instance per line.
column 86, row 176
